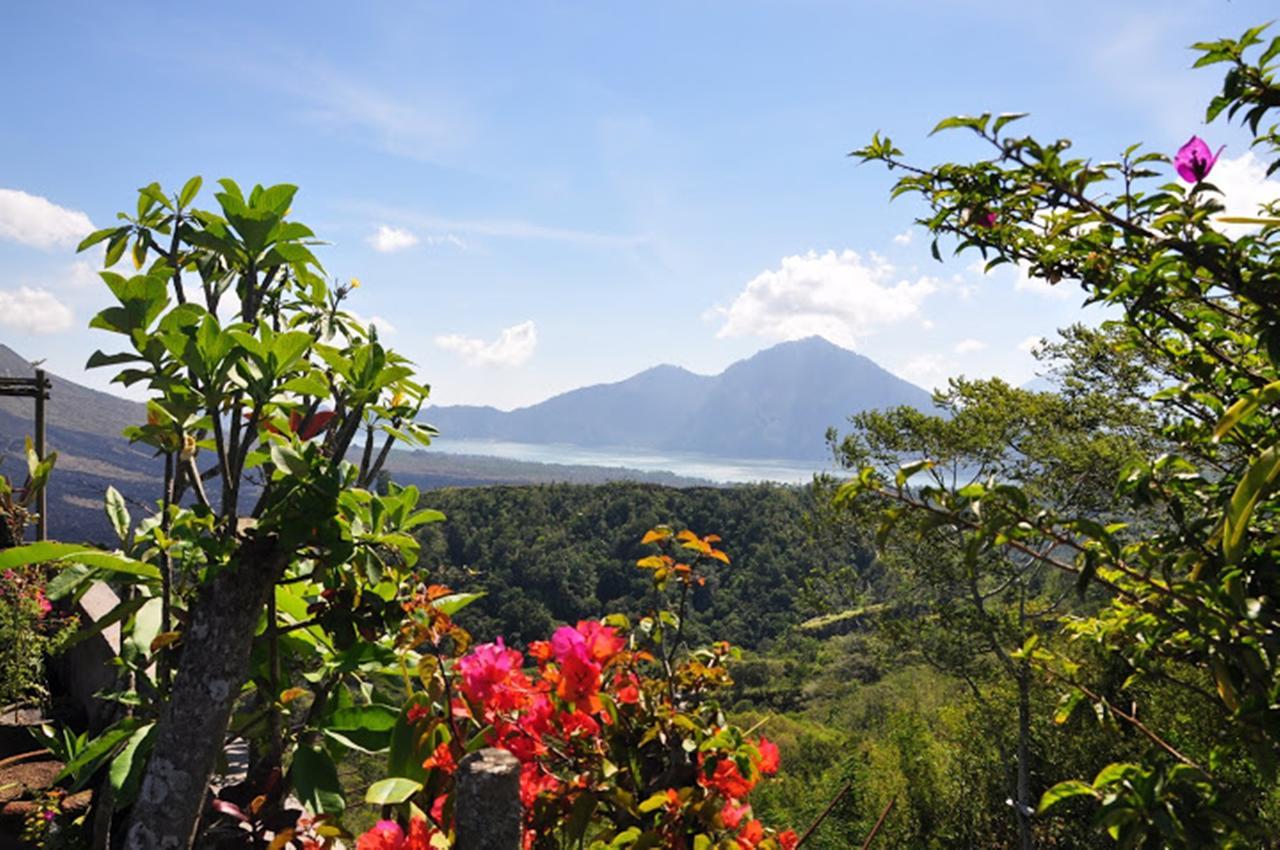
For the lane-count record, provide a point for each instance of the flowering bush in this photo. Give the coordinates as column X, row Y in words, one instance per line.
column 28, row 629
column 616, row 726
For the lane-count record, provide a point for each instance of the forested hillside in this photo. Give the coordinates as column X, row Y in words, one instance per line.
column 561, row 552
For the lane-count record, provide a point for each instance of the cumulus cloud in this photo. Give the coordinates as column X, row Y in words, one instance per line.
column 33, row 311
column 40, row 223
column 903, row 238
column 388, row 239
column 925, row 370
column 513, row 347
column 967, row 346
column 1030, row 344
column 1245, row 188
column 1024, row 282
column 839, row 296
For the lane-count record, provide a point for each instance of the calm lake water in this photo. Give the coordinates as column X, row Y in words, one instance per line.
column 725, row 470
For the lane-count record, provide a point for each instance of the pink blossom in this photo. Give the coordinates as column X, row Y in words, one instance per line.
column 491, row 669
column 1194, row 160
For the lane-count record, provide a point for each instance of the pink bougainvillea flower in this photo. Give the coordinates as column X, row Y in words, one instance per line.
column 733, row 813
column 383, row 835
column 603, row 642
column 491, row 675
column 567, row 642
column 43, row 602
column 987, row 219
column 1194, row 160
column 769, row 757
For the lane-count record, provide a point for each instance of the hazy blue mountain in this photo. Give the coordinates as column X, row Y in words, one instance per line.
column 84, row 427
column 777, row 403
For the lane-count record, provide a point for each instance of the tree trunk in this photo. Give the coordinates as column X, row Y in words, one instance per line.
column 1023, row 802
column 211, row 671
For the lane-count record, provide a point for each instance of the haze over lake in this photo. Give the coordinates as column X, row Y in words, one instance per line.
column 720, row 470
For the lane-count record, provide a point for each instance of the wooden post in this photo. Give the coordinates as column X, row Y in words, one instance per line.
column 42, row 500
column 487, row 812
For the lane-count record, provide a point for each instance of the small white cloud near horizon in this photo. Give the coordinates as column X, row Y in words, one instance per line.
column 1030, row 344
column 1245, row 188
column 839, row 296
column 968, row 346
column 1024, row 282
column 928, row 371
column 33, row 311
column 903, row 238
column 388, row 239
column 38, row 222
column 513, row 347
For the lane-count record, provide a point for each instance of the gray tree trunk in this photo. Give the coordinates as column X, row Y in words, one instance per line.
column 1025, row 838
column 213, row 667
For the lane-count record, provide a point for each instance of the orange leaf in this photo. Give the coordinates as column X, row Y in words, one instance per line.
column 687, row 536
column 655, row 534
column 292, row 694
column 164, row 639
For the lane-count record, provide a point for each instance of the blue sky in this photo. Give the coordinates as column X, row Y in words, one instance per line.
column 540, row 195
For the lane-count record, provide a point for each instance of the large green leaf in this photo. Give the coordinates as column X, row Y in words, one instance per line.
column 389, row 792
column 315, row 779
column 1064, row 791
column 127, row 768
column 85, row 763
column 118, row 513
column 1255, row 484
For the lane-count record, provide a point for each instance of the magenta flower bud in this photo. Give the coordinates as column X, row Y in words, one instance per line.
column 1194, row 160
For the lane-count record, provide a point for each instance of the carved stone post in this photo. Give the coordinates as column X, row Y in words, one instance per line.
column 487, row 809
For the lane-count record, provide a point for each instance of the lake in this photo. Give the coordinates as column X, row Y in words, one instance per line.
column 723, row 470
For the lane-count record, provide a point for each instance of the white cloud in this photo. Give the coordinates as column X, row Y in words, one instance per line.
column 1024, row 282
column 384, row 327
column 447, row 239
column 925, row 370
column 967, row 346
column 1245, row 188
column 903, row 238
column 1030, row 344
column 388, row 239
column 513, row 347
column 40, row 223
column 839, row 296
column 33, row 311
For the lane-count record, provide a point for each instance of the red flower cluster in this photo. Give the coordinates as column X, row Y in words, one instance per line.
column 388, row 835
column 593, row 717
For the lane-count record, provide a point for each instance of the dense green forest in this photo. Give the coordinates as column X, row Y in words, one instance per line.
column 556, row 553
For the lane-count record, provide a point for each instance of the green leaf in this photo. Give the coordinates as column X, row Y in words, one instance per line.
column 189, row 191
column 127, row 768
column 315, row 779
column 118, row 513
column 1257, row 481
column 287, row 459
column 1064, row 791
column 1006, row 118
column 85, row 763
column 1244, row 407
column 391, row 792
column 455, row 602
column 122, row 611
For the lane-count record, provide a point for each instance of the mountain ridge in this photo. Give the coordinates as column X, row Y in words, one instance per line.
column 775, row 404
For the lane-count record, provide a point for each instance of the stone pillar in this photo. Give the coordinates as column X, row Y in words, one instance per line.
column 487, row 812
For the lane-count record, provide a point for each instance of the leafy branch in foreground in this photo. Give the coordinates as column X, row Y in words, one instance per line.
column 1187, row 561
